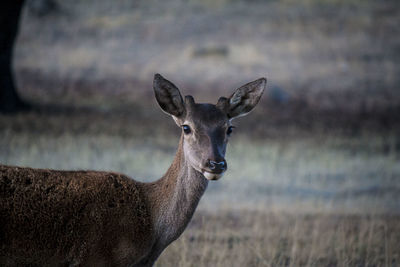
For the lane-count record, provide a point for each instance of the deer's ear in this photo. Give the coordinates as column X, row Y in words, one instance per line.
column 244, row 99
column 168, row 96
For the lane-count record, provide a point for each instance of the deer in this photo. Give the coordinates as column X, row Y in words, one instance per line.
column 97, row 218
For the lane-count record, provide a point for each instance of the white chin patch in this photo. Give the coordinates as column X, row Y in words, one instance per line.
column 212, row 176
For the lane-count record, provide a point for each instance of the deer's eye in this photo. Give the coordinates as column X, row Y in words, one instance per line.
column 186, row 129
column 230, row 130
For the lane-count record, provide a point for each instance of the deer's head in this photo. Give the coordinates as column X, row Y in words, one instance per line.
column 206, row 127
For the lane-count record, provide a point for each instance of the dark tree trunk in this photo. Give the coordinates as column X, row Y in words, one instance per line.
column 10, row 11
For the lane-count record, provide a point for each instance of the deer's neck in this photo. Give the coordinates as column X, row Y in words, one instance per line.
column 175, row 197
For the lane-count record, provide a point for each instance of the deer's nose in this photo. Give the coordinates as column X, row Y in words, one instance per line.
column 217, row 166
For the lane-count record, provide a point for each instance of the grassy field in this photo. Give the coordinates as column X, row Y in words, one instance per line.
column 329, row 54
column 299, row 171
column 314, row 173
column 243, row 238
column 295, row 199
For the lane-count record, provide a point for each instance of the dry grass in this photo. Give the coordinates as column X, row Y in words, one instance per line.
column 243, row 238
column 290, row 170
column 294, row 199
column 331, row 54
column 313, row 176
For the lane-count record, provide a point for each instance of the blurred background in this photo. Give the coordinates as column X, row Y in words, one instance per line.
column 314, row 173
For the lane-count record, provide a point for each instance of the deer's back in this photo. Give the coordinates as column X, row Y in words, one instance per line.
column 63, row 217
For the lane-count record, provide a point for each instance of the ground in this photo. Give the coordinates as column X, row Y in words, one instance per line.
column 313, row 173
column 313, row 199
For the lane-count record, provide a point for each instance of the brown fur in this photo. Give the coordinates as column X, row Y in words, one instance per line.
column 52, row 217
column 89, row 218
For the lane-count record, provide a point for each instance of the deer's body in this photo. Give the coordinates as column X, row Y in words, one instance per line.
column 61, row 218
column 88, row 218
column 93, row 218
